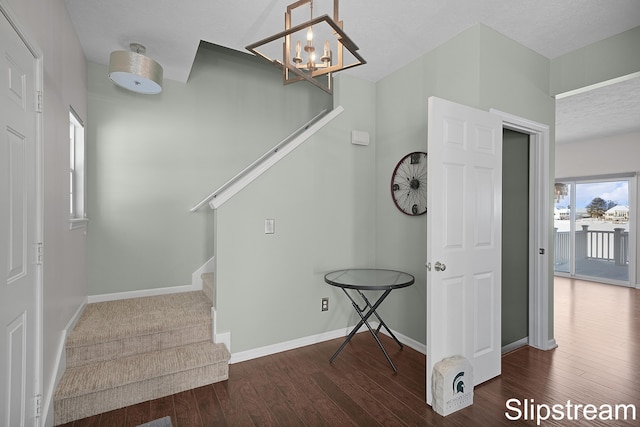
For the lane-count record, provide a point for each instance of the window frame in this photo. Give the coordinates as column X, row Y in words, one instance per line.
column 631, row 179
column 77, row 172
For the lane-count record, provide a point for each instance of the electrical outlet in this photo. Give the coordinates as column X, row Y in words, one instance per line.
column 325, row 304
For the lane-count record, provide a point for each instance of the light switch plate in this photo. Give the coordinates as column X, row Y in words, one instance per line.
column 269, row 226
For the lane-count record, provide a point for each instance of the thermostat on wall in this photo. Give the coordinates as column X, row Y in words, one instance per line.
column 359, row 137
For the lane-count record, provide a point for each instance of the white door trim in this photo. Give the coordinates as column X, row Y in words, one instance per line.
column 30, row 43
column 539, row 226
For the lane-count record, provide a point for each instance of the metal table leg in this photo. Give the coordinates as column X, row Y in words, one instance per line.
column 364, row 321
column 381, row 324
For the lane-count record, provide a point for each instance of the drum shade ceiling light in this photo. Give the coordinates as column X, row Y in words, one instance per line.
column 134, row 71
column 299, row 59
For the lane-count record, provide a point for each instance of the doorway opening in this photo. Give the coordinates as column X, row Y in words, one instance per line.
column 540, row 309
column 515, row 239
column 465, row 159
column 592, row 219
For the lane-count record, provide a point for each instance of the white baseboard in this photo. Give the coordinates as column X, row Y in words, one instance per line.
column 214, row 325
column 287, row 345
column 255, row 353
column 405, row 340
column 60, row 366
column 196, row 285
column 224, row 338
column 142, row 293
column 516, row 344
column 551, row 344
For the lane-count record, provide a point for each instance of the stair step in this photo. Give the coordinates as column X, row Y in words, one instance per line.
column 114, row 329
column 88, row 390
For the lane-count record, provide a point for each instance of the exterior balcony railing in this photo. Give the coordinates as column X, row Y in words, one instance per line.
column 612, row 246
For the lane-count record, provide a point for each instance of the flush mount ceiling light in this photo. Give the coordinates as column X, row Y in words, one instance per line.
column 134, row 71
column 299, row 59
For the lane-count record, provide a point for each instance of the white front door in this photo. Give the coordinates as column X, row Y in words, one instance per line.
column 18, row 232
column 464, row 238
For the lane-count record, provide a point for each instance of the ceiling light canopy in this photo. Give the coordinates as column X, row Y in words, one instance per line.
column 301, row 58
column 134, row 71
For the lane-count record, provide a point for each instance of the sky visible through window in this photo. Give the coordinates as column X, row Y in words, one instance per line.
column 617, row 191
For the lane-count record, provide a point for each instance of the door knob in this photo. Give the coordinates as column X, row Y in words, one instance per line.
column 439, row 266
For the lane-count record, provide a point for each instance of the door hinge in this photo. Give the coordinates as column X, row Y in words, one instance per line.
column 38, row 405
column 39, row 253
column 38, row 101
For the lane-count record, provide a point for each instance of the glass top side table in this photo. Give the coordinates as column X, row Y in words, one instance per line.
column 369, row 279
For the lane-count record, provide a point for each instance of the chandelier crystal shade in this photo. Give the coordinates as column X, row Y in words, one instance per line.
column 560, row 191
column 311, row 50
column 134, row 71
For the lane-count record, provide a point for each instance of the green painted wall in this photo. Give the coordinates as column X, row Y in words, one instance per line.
column 451, row 71
column 610, row 58
column 514, row 79
column 480, row 68
column 151, row 158
column 515, row 236
column 322, row 199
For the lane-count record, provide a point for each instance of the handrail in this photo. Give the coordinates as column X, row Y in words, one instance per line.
column 268, row 159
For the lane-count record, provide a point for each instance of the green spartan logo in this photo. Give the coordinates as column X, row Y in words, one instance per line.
column 458, row 384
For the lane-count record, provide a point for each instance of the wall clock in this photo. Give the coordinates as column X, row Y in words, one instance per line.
column 409, row 184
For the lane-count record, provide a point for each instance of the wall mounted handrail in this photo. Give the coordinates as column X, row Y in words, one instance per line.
column 268, row 159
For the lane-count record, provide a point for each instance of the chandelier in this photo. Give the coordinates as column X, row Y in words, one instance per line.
column 560, row 191
column 301, row 60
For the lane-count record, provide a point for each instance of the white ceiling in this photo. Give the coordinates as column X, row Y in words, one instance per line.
column 390, row 34
column 604, row 111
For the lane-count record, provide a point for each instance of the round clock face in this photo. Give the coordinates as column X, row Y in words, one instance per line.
column 409, row 184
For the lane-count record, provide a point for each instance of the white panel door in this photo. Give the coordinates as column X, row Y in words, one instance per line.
column 464, row 238
column 18, row 216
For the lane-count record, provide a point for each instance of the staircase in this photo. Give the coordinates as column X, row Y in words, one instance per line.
column 129, row 351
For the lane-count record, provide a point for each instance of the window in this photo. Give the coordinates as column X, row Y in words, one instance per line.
column 77, row 212
column 593, row 217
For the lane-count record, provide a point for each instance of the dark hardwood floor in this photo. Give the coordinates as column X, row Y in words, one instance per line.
column 597, row 362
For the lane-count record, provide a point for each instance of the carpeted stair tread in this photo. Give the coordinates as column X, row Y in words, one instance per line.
column 103, row 387
column 120, row 372
column 129, row 346
column 114, row 320
column 125, row 352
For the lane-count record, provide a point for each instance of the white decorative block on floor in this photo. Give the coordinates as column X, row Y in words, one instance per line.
column 452, row 385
